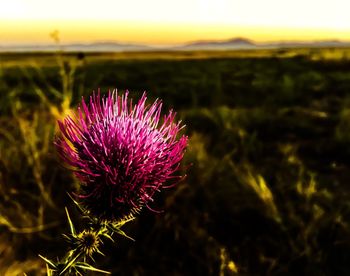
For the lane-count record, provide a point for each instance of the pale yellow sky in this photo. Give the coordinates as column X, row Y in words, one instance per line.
column 168, row 22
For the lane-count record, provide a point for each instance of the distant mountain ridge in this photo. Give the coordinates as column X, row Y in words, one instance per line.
column 243, row 43
column 234, row 43
column 229, row 44
column 77, row 47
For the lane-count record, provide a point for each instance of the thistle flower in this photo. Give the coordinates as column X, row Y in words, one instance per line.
column 86, row 242
column 121, row 153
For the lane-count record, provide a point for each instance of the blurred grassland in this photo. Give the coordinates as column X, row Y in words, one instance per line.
column 267, row 192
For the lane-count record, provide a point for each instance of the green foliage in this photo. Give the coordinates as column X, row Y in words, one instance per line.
column 84, row 244
column 267, row 164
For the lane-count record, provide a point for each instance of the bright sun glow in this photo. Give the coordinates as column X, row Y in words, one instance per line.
column 164, row 21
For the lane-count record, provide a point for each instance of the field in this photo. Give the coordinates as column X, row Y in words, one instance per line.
column 268, row 163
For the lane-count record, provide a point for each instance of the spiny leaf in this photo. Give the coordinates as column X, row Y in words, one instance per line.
column 122, row 233
column 122, row 222
column 69, row 264
column 81, row 209
column 71, row 226
column 48, row 261
column 108, row 237
column 48, row 270
column 86, row 266
column 98, row 251
column 70, row 254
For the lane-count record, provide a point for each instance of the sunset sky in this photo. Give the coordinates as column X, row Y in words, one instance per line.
column 172, row 22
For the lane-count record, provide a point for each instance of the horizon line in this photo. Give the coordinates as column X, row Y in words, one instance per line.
column 189, row 42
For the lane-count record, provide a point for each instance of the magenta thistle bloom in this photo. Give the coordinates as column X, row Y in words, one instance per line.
column 121, row 153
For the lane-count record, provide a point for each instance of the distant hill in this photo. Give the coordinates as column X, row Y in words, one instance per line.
column 242, row 43
column 77, row 47
column 313, row 44
column 230, row 44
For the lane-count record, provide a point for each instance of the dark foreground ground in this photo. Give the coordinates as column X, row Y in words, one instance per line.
column 268, row 190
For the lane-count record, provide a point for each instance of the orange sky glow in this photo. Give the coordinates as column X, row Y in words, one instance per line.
column 172, row 22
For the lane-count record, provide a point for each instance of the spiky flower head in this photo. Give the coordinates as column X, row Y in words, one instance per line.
column 86, row 242
column 121, row 153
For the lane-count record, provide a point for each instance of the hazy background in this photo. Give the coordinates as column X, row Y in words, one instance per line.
column 263, row 87
column 159, row 22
